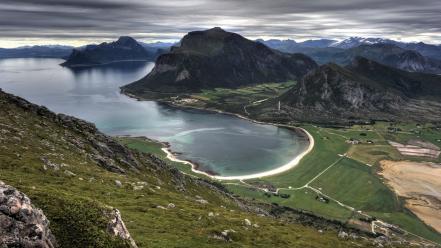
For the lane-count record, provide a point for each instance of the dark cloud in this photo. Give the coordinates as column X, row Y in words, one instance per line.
column 78, row 20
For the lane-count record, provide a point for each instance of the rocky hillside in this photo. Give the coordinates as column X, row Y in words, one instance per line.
column 216, row 58
column 363, row 91
column 124, row 49
column 79, row 177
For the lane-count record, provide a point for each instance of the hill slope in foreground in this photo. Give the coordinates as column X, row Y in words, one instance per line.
column 76, row 175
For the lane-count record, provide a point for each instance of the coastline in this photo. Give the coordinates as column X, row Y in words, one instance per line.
column 194, row 168
column 284, row 168
column 84, row 66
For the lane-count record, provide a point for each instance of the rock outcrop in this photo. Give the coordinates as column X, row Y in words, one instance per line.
column 117, row 228
column 21, row 224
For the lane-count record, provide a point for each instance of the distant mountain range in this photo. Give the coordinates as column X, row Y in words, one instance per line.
column 361, row 91
column 125, row 48
column 399, row 55
column 216, row 58
column 427, row 50
column 49, row 51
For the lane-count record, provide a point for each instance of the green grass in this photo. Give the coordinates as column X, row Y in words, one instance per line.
column 143, row 145
column 234, row 100
column 356, row 185
column 302, row 199
column 326, row 149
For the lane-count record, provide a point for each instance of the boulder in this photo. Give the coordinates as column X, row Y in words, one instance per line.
column 117, row 228
column 21, row 224
column 247, row 222
column 118, row 183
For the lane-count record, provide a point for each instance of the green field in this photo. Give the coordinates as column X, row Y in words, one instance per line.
column 351, row 179
column 237, row 100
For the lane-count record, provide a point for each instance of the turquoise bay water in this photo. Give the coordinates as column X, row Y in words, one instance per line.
column 223, row 144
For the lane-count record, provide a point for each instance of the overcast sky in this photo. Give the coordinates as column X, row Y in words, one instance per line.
column 77, row 22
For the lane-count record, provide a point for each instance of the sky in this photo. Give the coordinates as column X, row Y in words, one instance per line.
column 79, row 22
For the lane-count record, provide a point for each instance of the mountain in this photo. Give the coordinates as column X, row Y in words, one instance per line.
column 357, row 41
column 281, row 45
column 320, row 43
column 216, row 58
column 388, row 54
column 360, row 92
column 65, row 183
column 391, row 55
column 158, row 44
column 291, row 46
column 157, row 48
column 400, row 58
column 323, row 46
column 124, row 49
column 49, row 51
column 428, row 50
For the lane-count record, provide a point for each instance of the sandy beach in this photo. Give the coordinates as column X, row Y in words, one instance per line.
column 291, row 164
column 418, row 183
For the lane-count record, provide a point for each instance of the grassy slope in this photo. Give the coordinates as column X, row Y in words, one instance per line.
column 74, row 203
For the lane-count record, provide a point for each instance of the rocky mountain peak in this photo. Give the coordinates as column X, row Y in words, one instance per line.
column 217, row 58
column 126, row 41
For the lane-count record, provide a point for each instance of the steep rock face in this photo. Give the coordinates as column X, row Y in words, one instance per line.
column 21, row 224
column 363, row 91
column 216, row 58
column 125, row 48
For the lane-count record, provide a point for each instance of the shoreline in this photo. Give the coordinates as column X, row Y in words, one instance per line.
column 85, row 66
column 286, row 167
